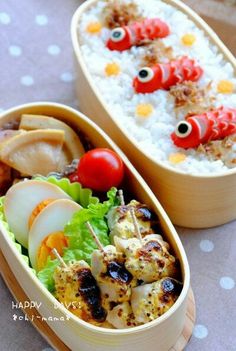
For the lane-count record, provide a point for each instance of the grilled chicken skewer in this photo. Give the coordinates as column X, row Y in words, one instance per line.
column 107, row 294
column 116, row 283
column 120, row 220
column 148, row 258
column 122, row 316
column 114, row 280
column 150, row 301
column 78, row 291
column 107, row 266
column 136, row 226
column 148, row 261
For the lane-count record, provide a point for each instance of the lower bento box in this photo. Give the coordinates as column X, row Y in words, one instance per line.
column 160, row 82
column 158, row 334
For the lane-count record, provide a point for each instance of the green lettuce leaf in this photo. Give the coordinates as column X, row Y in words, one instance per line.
column 80, row 195
column 79, row 236
column 81, row 244
column 2, row 217
column 46, row 274
column 93, row 211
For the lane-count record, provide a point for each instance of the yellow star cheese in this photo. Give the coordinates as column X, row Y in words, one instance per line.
column 94, row 27
column 188, row 39
column 112, row 69
column 144, row 110
column 225, row 87
column 177, row 157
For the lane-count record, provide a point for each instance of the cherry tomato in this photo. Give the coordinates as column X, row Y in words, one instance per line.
column 99, row 169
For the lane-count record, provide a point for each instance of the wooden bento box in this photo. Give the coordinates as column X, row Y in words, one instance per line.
column 160, row 334
column 194, row 201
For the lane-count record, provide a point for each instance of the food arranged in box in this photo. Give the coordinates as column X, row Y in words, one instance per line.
column 89, row 233
column 176, row 81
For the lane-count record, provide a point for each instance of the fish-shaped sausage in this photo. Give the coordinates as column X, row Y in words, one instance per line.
column 200, row 129
column 165, row 75
column 137, row 33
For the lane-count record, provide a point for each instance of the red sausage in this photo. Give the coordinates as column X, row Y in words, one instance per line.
column 123, row 38
column 163, row 76
column 200, row 129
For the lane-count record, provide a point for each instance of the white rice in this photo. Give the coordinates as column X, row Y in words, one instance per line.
column 153, row 133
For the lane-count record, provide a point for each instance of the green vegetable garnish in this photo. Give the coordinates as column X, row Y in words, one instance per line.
column 81, row 244
column 80, row 195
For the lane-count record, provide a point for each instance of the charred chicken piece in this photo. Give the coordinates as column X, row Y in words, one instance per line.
column 122, row 316
column 150, row 301
column 114, row 280
column 77, row 289
column 121, row 224
column 148, row 260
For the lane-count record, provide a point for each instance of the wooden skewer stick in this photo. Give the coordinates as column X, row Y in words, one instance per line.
column 121, row 197
column 95, row 237
column 55, row 252
column 136, row 226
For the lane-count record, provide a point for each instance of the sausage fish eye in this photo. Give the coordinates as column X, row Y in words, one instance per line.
column 183, row 129
column 145, row 74
column 117, row 34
